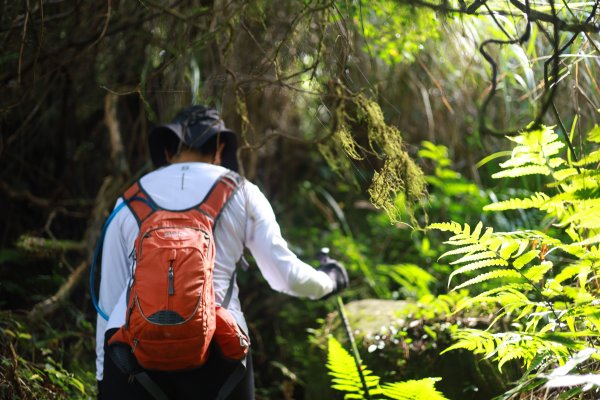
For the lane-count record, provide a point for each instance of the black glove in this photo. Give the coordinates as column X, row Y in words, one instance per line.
column 336, row 272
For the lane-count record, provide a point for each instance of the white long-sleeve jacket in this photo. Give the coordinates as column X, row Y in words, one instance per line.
column 247, row 220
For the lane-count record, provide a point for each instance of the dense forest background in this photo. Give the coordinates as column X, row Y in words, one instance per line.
column 446, row 151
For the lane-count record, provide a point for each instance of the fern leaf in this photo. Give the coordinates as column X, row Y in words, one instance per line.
column 499, row 294
column 588, row 218
column 473, row 340
column 477, row 231
column 522, row 260
column 478, row 265
column 467, row 249
column 592, row 158
column 514, row 354
column 475, row 257
column 423, row 389
column 525, row 311
column 536, row 273
column 499, row 273
column 456, row 241
column 522, row 171
column 342, row 368
column 537, row 200
column 591, row 240
column 508, row 250
column 556, row 162
column 594, row 134
column 564, row 175
column 447, row 227
column 567, row 273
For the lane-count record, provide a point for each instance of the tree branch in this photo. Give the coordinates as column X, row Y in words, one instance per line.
column 116, row 143
column 108, row 192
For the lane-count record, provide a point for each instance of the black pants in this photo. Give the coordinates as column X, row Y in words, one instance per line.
column 203, row 383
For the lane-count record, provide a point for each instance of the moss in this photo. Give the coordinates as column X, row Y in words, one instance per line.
column 398, row 175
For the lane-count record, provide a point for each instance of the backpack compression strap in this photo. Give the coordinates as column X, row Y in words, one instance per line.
column 220, row 194
column 139, row 203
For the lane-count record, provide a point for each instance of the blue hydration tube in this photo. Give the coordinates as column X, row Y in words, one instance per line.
column 97, row 251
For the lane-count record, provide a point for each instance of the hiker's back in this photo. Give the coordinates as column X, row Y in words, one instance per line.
column 184, row 185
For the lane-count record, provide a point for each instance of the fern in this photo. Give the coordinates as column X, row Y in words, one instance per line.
column 522, row 171
column 497, row 274
column 413, row 390
column 411, row 278
column 345, row 378
column 345, row 375
column 478, row 265
column 592, row 158
column 535, row 201
column 447, row 227
column 546, row 286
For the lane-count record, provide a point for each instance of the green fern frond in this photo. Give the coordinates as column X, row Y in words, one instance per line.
column 522, row 260
column 345, row 377
column 478, row 265
column 452, row 226
column 548, row 315
column 413, row 390
column 537, row 200
column 515, row 353
column 591, row 240
column 467, row 249
column 576, row 178
column 594, row 134
column 474, row 340
column 587, row 218
column 457, row 241
column 592, row 158
column 565, row 175
column 467, row 237
column 513, row 294
column 537, row 272
column 535, row 154
column 523, row 171
column 475, row 257
column 411, row 277
column 509, row 247
column 497, row 274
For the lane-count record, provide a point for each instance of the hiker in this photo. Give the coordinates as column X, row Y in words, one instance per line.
column 195, row 156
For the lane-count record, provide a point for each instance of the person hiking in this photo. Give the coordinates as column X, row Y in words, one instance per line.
column 196, row 180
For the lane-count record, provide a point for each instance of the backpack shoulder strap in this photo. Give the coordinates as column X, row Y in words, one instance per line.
column 139, row 202
column 220, row 194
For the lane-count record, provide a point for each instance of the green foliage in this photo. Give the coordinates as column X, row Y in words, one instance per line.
column 345, row 378
column 394, row 33
column 413, row 390
column 31, row 368
column 545, row 282
column 344, row 374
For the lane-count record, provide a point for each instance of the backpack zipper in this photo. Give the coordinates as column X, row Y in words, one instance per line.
column 171, row 279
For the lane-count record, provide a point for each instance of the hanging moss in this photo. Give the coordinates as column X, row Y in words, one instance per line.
column 399, row 174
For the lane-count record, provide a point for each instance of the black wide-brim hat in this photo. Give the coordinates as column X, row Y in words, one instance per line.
column 194, row 126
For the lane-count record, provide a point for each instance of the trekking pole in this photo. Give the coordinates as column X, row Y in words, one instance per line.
column 323, row 259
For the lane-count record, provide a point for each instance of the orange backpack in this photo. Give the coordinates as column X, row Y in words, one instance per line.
column 171, row 312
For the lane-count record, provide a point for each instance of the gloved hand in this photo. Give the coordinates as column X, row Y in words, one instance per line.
column 336, row 272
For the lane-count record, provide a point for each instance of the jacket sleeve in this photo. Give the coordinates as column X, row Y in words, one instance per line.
column 278, row 264
column 114, row 272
